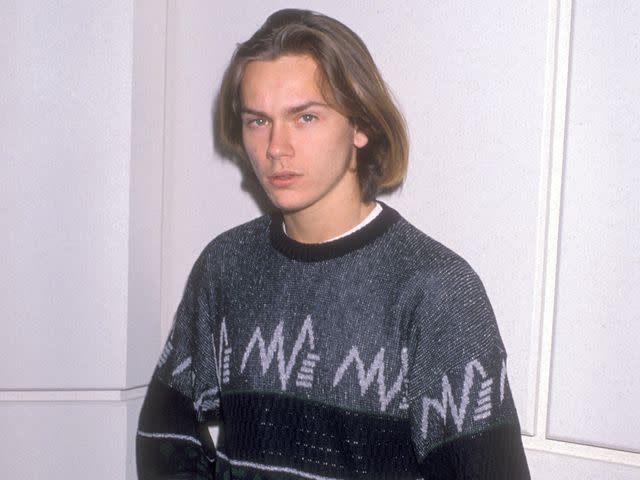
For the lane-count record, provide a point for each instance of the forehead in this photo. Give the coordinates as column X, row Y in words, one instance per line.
column 288, row 77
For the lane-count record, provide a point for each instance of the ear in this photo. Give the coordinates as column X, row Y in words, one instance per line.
column 360, row 138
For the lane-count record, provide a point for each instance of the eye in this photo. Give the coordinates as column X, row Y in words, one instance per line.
column 307, row 118
column 256, row 122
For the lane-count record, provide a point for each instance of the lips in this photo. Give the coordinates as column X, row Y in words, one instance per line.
column 283, row 179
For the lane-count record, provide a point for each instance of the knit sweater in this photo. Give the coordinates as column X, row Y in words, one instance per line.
column 373, row 356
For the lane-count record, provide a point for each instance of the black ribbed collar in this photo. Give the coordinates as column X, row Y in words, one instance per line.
column 314, row 252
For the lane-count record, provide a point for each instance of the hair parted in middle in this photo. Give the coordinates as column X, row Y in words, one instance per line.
column 349, row 80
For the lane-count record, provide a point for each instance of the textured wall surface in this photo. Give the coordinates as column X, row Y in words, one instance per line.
column 66, row 150
column 598, row 306
column 525, row 127
column 80, row 210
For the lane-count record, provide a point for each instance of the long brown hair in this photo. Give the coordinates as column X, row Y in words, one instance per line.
column 350, row 82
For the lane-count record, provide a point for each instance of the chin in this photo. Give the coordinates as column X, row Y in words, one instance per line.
column 286, row 204
column 288, row 207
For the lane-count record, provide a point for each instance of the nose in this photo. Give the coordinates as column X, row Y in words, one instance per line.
column 279, row 142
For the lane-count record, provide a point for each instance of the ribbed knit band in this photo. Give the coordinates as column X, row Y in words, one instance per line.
column 314, row 252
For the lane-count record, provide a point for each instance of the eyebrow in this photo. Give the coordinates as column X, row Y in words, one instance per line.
column 290, row 111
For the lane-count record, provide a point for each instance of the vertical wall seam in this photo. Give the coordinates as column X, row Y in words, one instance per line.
column 163, row 174
column 546, row 159
column 535, row 346
column 556, row 156
column 124, row 373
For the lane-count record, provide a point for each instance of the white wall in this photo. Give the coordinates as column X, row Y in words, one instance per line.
column 80, row 210
column 524, row 130
column 597, row 301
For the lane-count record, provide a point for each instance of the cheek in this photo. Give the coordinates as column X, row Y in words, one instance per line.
column 252, row 149
column 335, row 139
column 343, row 137
column 252, row 160
column 339, row 145
column 255, row 164
column 247, row 144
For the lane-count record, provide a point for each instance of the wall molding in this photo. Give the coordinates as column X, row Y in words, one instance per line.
column 556, row 85
column 586, row 452
column 86, row 395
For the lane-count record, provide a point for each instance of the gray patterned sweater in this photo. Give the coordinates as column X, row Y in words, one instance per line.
column 374, row 356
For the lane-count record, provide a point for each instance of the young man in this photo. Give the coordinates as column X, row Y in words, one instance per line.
column 331, row 339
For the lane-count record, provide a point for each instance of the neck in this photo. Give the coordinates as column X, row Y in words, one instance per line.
column 314, row 226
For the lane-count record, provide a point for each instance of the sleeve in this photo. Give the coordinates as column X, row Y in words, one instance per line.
column 182, row 398
column 464, row 423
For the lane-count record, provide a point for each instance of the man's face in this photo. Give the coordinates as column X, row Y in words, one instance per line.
column 302, row 150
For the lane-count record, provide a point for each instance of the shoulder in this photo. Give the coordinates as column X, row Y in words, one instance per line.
column 429, row 263
column 446, row 296
column 238, row 238
column 235, row 243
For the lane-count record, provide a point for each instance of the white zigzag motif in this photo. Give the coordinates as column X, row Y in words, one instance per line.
column 305, row 373
column 276, row 349
column 223, row 354
column 164, row 356
column 207, row 399
column 458, row 411
column 375, row 371
column 186, row 363
column 503, row 377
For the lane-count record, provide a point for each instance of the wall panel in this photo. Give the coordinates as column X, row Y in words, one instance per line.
column 550, row 466
column 64, row 189
column 595, row 383
column 80, row 213
column 66, row 440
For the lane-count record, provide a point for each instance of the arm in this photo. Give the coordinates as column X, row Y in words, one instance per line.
column 464, row 422
column 183, row 396
column 171, row 443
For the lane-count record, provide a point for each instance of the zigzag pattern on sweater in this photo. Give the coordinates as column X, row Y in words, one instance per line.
column 304, row 356
column 447, row 406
